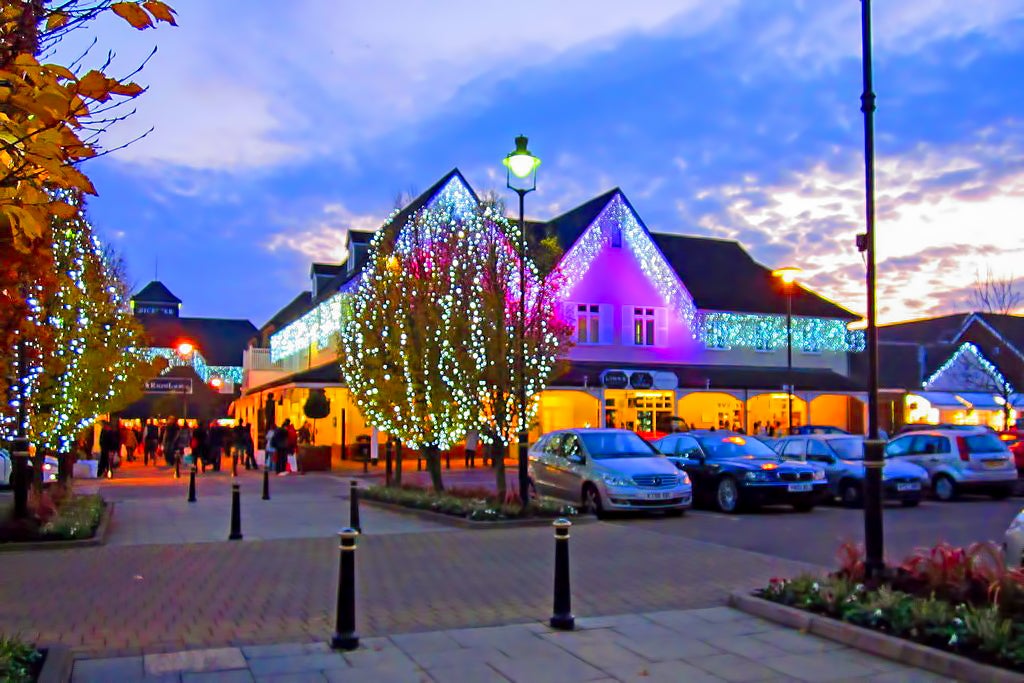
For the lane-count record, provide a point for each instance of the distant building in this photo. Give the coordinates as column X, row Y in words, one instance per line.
column 666, row 326
column 204, row 357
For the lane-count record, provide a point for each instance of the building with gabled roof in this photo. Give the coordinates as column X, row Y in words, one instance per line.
column 666, row 326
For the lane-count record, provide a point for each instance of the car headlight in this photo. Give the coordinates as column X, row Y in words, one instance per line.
column 684, row 479
column 819, row 474
column 757, row 475
column 615, row 480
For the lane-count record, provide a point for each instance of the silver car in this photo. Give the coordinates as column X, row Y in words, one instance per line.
column 605, row 470
column 1013, row 543
column 842, row 458
column 959, row 461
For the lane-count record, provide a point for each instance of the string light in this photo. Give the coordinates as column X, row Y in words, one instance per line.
column 966, row 359
column 717, row 330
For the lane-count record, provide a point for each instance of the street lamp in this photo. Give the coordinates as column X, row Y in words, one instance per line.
column 521, row 176
column 874, row 453
column 185, row 350
column 788, row 276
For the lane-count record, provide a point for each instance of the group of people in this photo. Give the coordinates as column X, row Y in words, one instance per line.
column 282, row 442
column 175, row 441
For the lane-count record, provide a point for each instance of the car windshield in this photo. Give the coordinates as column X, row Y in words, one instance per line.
column 602, row 445
column 848, row 449
column 984, row 443
column 735, row 445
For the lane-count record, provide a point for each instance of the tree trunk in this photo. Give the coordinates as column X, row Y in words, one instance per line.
column 38, row 460
column 64, row 465
column 396, row 479
column 433, row 457
column 498, row 458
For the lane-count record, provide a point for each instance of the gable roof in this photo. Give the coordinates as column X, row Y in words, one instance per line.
column 155, row 293
column 325, row 269
column 571, row 225
column 1009, row 327
column 942, row 329
column 721, row 276
column 219, row 340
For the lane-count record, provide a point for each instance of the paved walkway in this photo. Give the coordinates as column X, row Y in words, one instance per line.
column 697, row 646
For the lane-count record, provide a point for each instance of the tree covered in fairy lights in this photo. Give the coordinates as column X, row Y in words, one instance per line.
column 95, row 365
column 428, row 344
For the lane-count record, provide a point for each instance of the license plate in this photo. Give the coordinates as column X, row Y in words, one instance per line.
column 658, row 496
column 908, row 487
column 798, row 488
column 994, row 464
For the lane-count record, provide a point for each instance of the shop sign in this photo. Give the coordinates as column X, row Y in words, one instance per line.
column 641, row 380
column 665, row 380
column 169, row 385
column 614, row 379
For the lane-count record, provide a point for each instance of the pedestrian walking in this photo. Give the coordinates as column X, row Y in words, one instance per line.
column 249, row 446
column 171, row 430
column 151, row 438
column 182, row 441
column 108, row 445
column 216, row 445
column 270, row 453
column 281, row 441
column 131, row 442
column 201, row 447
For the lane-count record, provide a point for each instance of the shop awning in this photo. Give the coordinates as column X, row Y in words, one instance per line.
column 583, row 373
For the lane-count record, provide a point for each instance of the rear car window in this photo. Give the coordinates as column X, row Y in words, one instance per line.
column 984, row 443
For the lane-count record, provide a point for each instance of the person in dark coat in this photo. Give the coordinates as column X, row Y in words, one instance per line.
column 216, row 448
column 281, row 448
column 249, row 446
column 201, row 446
column 108, row 446
column 170, row 440
column 150, row 439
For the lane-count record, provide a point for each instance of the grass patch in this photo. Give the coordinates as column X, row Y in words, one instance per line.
column 76, row 517
column 476, row 504
column 19, row 661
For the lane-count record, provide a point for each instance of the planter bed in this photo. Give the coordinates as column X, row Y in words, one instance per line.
column 875, row 642
column 465, row 509
column 23, row 540
column 45, row 665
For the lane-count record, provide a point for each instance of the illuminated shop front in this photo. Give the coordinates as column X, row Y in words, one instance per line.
column 965, row 408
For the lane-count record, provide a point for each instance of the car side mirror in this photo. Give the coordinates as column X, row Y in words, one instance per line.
column 696, row 457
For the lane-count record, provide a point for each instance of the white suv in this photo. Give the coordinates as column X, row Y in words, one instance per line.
column 959, row 461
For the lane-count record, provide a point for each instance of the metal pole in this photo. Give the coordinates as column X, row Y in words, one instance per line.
column 561, row 617
column 789, row 350
column 192, row 485
column 873, row 455
column 345, row 637
column 236, row 514
column 524, row 480
column 20, row 447
column 353, row 506
column 266, row 484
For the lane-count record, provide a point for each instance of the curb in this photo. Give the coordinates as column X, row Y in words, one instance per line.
column 463, row 523
column 98, row 538
column 57, row 665
column 875, row 643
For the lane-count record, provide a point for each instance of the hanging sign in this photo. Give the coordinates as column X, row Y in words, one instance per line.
column 614, row 379
column 641, row 380
column 665, row 380
column 169, row 385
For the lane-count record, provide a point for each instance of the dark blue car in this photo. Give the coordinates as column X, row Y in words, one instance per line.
column 735, row 472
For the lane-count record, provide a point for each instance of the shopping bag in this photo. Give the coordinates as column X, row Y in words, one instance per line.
column 293, row 465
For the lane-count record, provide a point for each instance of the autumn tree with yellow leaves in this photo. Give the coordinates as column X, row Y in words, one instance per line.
column 51, row 118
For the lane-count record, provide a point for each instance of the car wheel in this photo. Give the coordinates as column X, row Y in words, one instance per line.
column 850, row 493
column 944, row 488
column 727, row 495
column 1002, row 494
column 803, row 507
column 592, row 501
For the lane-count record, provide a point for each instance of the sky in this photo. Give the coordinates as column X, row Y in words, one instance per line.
column 277, row 126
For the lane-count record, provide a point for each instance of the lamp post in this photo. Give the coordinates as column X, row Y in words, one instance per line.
column 521, row 177
column 788, row 276
column 185, row 351
column 874, row 455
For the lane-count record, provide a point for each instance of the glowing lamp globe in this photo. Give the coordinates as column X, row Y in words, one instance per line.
column 185, row 348
column 788, row 275
column 216, row 382
column 521, row 163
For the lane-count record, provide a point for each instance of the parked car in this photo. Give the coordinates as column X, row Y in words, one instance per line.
column 959, row 460
column 842, row 458
column 1014, row 440
column 735, row 471
column 948, row 426
column 605, row 470
column 1013, row 542
column 817, row 429
column 50, row 466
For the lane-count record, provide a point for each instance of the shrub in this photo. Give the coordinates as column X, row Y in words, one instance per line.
column 17, row 659
column 77, row 518
column 475, row 504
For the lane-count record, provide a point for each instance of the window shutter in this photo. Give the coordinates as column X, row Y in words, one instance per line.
column 627, row 326
column 606, row 323
column 661, row 327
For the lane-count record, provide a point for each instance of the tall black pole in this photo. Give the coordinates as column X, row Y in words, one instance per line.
column 524, row 479
column 789, row 350
column 20, row 449
column 873, row 455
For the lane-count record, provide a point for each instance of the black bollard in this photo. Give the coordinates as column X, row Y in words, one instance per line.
column 234, row 466
column 192, row 485
column 562, row 617
column 345, row 637
column 236, row 514
column 353, row 509
column 266, row 484
column 177, row 470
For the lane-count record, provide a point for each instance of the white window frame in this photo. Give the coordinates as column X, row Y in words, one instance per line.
column 591, row 313
column 646, row 316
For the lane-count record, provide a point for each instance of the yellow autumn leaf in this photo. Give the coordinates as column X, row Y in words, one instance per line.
column 56, row 20
column 160, row 11
column 127, row 89
column 63, row 210
column 133, row 14
column 94, row 85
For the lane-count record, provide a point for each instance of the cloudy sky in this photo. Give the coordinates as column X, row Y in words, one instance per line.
column 279, row 125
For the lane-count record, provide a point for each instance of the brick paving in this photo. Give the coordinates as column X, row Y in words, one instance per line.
column 125, row 599
column 697, row 646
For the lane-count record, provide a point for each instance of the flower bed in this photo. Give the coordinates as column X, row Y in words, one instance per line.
column 476, row 504
column 964, row 601
column 72, row 517
column 18, row 661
